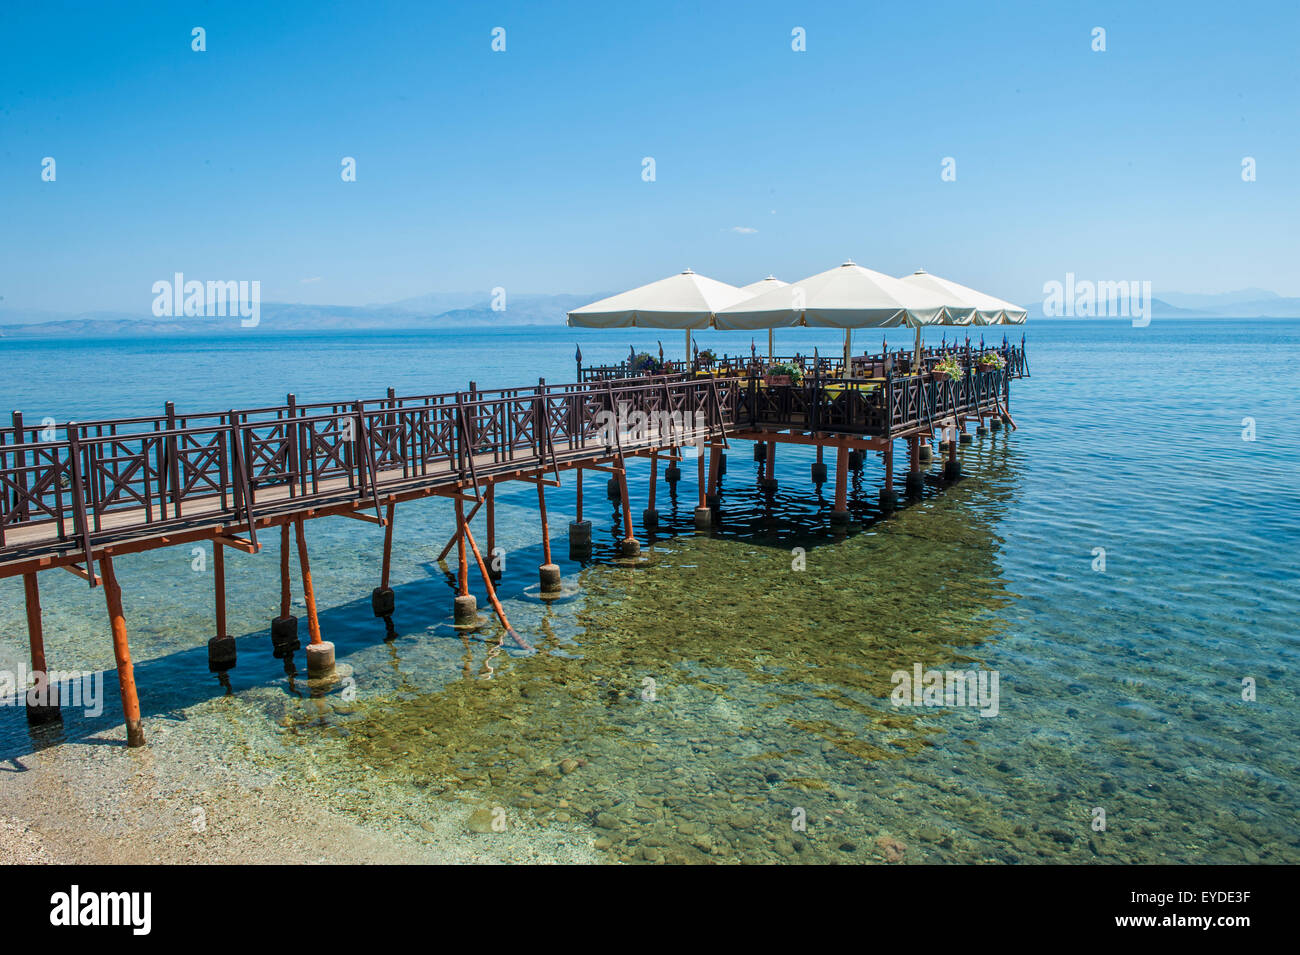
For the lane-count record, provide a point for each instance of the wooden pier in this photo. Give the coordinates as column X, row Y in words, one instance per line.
column 82, row 495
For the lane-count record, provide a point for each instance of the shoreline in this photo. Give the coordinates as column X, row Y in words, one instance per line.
column 94, row 803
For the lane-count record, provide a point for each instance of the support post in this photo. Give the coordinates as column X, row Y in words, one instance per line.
column 549, row 571
column 43, row 699
column 915, row 482
column 221, row 648
column 703, row 513
column 579, row 530
column 713, row 499
column 887, row 492
column 122, row 653
column 628, row 546
column 284, row 628
column 952, row 468
column 320, row 653
column 491, row 591
column 768, row 481
column 651, row 517
column 819, row 467
column 840, row 515
column 491, row 501
column 465, row 605
column 673, row 473
column 382, row 599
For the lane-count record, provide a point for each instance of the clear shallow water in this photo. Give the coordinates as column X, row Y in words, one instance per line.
column 1119, row 690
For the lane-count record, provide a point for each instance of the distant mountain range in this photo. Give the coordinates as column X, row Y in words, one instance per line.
column 1247, row 303
column 438, row 310
column 474, row 310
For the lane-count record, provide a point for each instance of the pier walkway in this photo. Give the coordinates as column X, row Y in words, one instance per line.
column 78, row 495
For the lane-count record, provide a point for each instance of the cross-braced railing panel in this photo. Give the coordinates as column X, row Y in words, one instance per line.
column 122, row 477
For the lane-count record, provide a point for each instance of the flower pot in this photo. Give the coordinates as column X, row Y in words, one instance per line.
column 774, row 381
column 939, row 375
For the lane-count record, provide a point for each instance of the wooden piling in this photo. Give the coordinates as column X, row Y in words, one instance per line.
column 122, row 653
column 35, row 630
column 627, row 509
column 451, row 541
column 840, row 515
column 491, row 500
column 462, row 561
column 219, row 585
column 387, row 565
column 546, row 529
column 704, row 487
column 819, row 468
column 654, row 478
column 841, row 478
column 889, row 467
column 579, row 529
column 46, row 706
column 492, row 593
column 284, row 571
column 309, row 595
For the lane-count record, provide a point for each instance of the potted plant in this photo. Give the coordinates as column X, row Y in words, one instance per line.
column 646, row 364
column 706, row 357
column 784, row 373
column 990, row 361
column 946, row 367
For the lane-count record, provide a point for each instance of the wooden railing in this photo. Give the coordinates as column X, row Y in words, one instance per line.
column 105, row 479
column 877, row 365
column 81, row 484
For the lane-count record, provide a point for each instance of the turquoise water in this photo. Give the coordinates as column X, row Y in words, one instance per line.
column 1120, row 690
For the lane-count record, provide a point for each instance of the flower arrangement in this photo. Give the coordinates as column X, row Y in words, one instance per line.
column 785, row 372
column 991, row 360
column 947, row 367
column 646, row 363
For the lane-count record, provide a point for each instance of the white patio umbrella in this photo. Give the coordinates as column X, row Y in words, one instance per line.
column 846, row 297
column 758, row 288
column 682, row 301
column 985, row 309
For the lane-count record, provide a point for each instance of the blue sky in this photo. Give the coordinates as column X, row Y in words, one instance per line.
column 522, row 169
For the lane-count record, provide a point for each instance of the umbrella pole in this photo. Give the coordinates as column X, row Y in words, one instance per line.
column 848, row 351
column 688, row 347
column 917, row 365
column 771, row 344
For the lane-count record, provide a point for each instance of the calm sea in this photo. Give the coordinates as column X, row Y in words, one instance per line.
column 728, row 697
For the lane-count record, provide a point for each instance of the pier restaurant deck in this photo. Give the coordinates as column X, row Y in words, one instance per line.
column 77, row 495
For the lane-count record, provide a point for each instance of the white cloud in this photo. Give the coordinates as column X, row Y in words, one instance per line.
column 743, row 230
column 309, row 281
